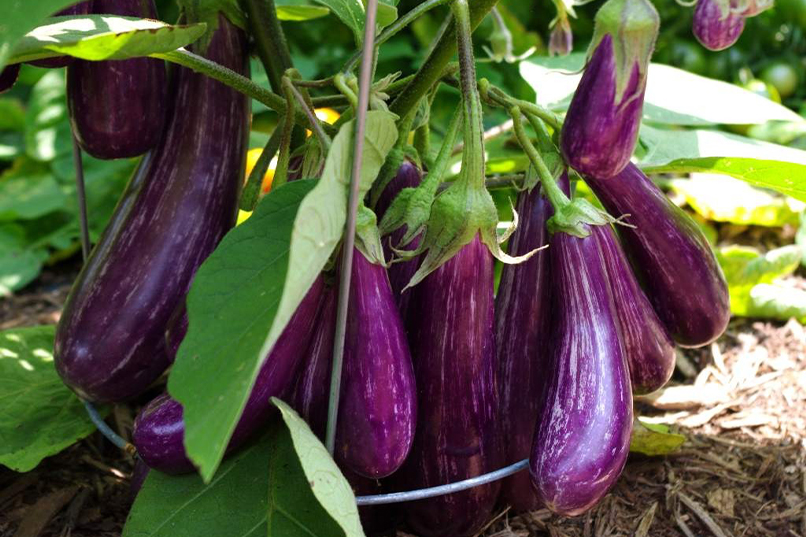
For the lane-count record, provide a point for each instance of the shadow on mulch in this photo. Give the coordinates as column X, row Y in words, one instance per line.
column 742, row 471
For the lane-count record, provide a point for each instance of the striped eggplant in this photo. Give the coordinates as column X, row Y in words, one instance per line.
column 8, row 76
column 181, row 201
column 159, row 429
column 408, row 176
column 717, row 24
column 521, row 332
column 81, row 8
column 378, row 403
column 453, row 340
column 601, row 127
column 671, row 257
column 583, row 434
column 118, row 108
column 648, row 346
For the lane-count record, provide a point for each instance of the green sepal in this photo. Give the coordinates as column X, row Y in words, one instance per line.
column 367, row 238
column 633, row 25
column 575, row 217
column 207, row 11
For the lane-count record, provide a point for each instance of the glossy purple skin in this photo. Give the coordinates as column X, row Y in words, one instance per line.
column 8, row 77
column 139, row 475
column 313, row 382
column 670, row 256
column 408, row 176
column 110, row 342
column 599, row 134
column 378, row 403
column 521, row 335
column 647, row 343
column 159, row 430
column 82, row 8
column 714, row 30
column 583, row 434
column 118, row 108
column 453, row 345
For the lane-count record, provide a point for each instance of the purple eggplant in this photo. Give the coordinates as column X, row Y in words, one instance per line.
column 601, row 127
column 583, row 433
column 139, row 475
column 671, row 257
column 453, row 340
column 8, row 76
column 400, row 273
column 647, row 343
column 159, row 430
column 521, row 332
column 82, row 8
column 378, row 403
column 717, row 24
column 313, row 382
column 183, row 198
column 118, row 108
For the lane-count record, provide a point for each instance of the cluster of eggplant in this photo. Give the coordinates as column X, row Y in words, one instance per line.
column 441, row 382
column 718, row 24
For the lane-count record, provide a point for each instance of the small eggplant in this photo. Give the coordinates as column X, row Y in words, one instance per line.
column 583, row 433
column 8, row 76
column 400, row 273
column 717, row 24
column 453, row 345
column 82, row 8
column 159, row 429
column 647, row 343
column 378, row 403
column 139, row 475
column 183, row 198
column 522, row 321
column 601, row 127
column 671, row 257
column 118, row 108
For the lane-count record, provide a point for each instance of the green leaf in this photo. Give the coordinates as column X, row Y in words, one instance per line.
column 661, row 146
column 21, row 16
column 244, row 294
column 654, row 439
column 27, row 193
column 104, row 37
column 784, row 177
column 771, row 301
column 745, row 268
column 351, row 13
column 673, row 96
column 39, row 415
column 386, row 14
column 299, row 10
column 19, row 267
column 12, row 115
column 322, row 477
column 746, row 205
column 47, row 133
column 232, row 505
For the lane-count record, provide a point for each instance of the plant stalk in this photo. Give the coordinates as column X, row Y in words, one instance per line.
column 261, row 16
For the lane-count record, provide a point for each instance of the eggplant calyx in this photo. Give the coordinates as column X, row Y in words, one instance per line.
column 575, row 217
column 367, row 238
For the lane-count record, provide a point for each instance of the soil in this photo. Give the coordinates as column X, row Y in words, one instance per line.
column 742, row 471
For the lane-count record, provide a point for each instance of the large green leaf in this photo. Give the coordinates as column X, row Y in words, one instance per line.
column 232, row 505
column 39, row 415
column 673, row 96
column 321, row 476
column 746, row 205
column 746, row 269
column 20, row 17
column 28, row 192
column 103, row 37
column 47, row 132
column 299, row 10
column 771, row 301
column 351, row 13
column 245, row 293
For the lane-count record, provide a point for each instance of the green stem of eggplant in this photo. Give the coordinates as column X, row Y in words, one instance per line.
column 473, row 153
column 556, row 196
column 432, row 69
column 232, row 79
column 261, row 16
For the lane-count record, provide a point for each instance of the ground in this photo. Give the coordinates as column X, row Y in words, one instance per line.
column 742, row 471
